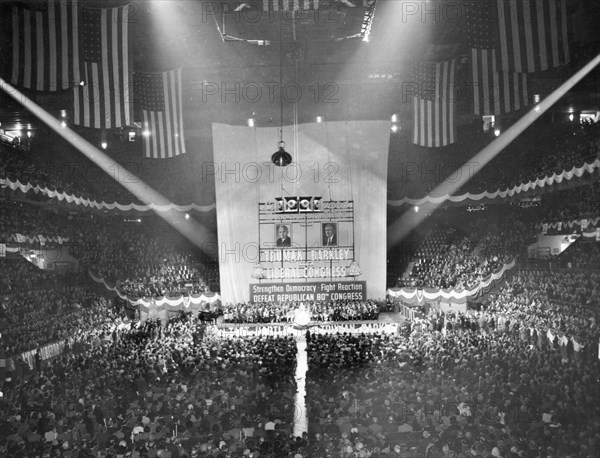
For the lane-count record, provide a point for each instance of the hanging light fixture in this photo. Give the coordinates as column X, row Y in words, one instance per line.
column 281, row 158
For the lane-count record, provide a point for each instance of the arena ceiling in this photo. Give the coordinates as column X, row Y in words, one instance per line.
column 231, row 44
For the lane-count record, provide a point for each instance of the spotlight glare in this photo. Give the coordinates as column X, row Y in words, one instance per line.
column 146, row 133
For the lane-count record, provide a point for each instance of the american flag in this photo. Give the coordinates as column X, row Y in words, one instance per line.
column 45, row 46
column 160, row 99
column 434, row 113
column 533, row 35
column 104, row 101
column 494, row 92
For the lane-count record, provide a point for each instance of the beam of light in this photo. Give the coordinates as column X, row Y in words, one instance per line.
column 193, row 231
column 410, row 220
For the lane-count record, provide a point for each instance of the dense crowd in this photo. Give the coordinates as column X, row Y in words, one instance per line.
column 19, row 166
column 71, row 177
column 539, row 154
column 516, row 378
column 38, row 307
column 286, row 312
column 155, row 392
column 581, row 254
column 49, row 222
column 461, row 259
column 566, row 302
column 454, row 393
column 571, row 204
column 142, row 261
column 76, row 176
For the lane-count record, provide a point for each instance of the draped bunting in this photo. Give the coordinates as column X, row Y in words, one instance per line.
column 593, row 234
column 63, row 196
column 41, row 239
column 418, row 295
column 178, row 302
column 515, row 190
column 580, row 224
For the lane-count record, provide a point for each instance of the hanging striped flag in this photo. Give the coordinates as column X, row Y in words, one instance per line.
column 494, row 92
column 434, row 111
column 104, row 101
column 160, row 99
column 533, row 35
column 289, row 5
column 45, row 45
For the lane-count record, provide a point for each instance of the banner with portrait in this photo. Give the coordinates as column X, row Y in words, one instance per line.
column 321, row 218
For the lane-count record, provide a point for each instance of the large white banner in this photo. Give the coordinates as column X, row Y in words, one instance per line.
column 334, row 162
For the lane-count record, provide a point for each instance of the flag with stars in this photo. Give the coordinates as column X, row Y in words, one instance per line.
column 494, row 92
column 160, row 100
column 434, row 111
column 104, row 99
column 45, row 53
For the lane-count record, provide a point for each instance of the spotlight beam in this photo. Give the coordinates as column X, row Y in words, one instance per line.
column 196, row 233
column 410, row 220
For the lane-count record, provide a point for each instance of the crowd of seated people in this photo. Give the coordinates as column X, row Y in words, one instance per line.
column 448, row 259
column 564, row 301
column 31, row 221
column 84, row 179
column 285, row 312
column 18, row 166
column 470, row 388
column 141, row 262
column 571, row 204
column 156, row 392
column 479, row 383
column 39, row 307
column 537, row 154
column 580, row 255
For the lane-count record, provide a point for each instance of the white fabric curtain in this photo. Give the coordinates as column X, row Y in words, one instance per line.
column 336, row 160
